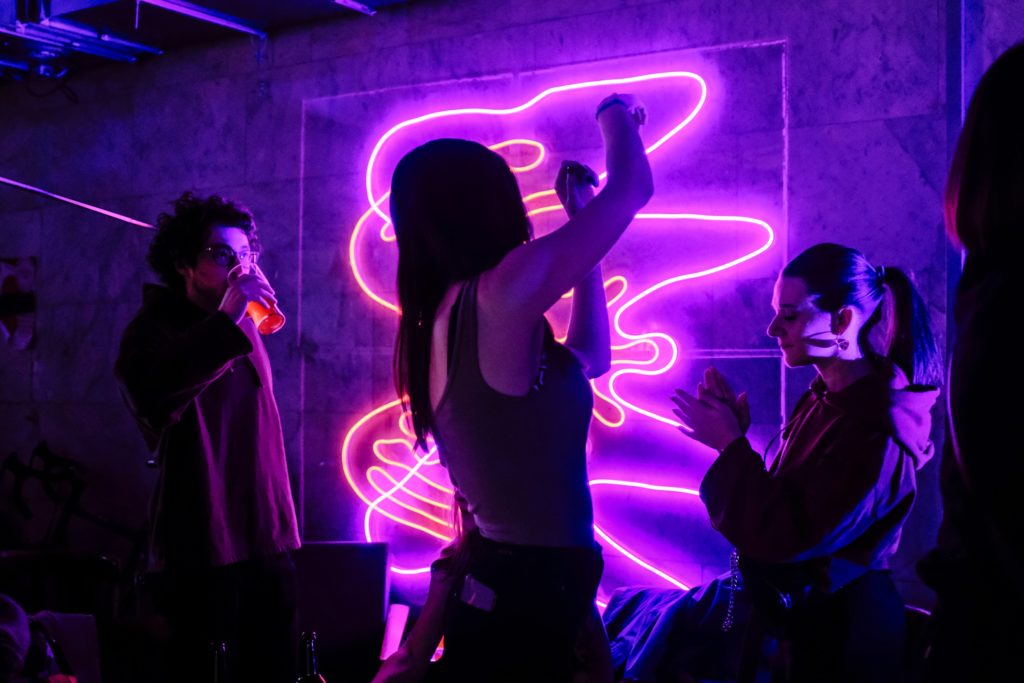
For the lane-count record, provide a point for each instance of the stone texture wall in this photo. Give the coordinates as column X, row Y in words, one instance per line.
column 866, row 145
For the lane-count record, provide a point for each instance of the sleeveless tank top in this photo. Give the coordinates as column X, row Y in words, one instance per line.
column 520, row 461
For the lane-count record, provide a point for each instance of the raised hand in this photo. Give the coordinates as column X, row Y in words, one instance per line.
column 634, row 107
column 245, row 286
column 717, row 386
column 575, row 185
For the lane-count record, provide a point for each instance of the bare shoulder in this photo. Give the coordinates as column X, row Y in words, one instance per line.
column 509, row 345
column 439, row 344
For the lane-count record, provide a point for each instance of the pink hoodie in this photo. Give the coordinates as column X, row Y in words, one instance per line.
column 843, row 482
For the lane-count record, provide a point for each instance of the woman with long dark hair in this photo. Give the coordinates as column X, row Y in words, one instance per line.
column 814, row 526
column 977, row 570
column 508, row 406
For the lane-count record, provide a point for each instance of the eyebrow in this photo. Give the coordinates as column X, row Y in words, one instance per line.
column 227, row 246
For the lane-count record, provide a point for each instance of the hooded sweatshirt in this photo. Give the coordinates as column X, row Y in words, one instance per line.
column 201, row 389
column 842, row 484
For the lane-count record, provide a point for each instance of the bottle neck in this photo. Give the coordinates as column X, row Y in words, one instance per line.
column 310, row 656
column 220, row 663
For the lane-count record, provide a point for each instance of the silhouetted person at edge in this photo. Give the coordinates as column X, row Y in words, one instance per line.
column 977, row 570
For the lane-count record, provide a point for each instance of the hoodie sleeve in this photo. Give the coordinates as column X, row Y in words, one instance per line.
column 788, row 518
column 161, row 372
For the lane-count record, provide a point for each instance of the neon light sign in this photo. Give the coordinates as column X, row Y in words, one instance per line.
column 410, row 491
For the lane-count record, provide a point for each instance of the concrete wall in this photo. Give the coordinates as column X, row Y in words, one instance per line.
column 867, row 108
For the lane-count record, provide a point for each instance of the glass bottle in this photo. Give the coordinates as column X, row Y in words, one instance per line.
column 311, row 671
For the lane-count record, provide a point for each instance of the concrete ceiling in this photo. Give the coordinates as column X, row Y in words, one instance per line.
column 44, row 41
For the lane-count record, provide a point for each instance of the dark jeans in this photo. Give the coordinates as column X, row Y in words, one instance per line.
column 856, row 635
column 541, row 598
column 249, row 606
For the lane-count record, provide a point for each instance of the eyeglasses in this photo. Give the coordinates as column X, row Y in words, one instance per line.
column 223, row 255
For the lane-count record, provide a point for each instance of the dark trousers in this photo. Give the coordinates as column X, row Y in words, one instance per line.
column 856, row 635
column 541, row 598
column 249, row 606
column 976, row 635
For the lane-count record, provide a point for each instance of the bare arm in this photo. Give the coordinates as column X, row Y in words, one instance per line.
column 588, row 335
column 410, row 662
column 588, row 325
column 532, row 277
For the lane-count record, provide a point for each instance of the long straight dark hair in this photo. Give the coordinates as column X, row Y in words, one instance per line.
column 457, row 211
column 838, row 276
column 985, row 189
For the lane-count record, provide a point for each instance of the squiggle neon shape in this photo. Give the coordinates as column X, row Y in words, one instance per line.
column 651, row 341
column 375, row 204
column 617, row 319
column 376, row 505
column 625, row 551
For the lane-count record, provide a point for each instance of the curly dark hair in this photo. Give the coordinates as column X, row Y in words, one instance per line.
column 180, row 235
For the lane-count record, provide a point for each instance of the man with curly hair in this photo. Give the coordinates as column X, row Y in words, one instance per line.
column 196, row 377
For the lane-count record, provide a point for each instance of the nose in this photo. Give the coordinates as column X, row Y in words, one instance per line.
column 774, row 329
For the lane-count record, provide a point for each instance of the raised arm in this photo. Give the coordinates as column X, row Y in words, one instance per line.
column 588, row 334
column 161, row 372
column 532, row 277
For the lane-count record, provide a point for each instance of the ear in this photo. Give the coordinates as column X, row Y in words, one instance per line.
column 184, row 270
column 841, row 320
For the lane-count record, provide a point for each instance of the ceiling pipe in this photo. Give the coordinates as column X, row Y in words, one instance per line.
column 17, row 66
column 357, row 6
column 68, row 27
column 204, row 14
column 73, row 42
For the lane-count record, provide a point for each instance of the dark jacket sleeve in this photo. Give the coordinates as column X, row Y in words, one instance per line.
column 985, row 434
column 779, row 519
column 162, row 370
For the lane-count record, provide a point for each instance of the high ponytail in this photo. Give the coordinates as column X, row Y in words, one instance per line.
column 838, row 276
column 907, row 340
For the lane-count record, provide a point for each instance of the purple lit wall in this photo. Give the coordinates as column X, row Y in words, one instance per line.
column 709, row 242
column 829, row 121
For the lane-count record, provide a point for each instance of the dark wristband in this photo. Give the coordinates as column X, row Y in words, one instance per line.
column 606, row 105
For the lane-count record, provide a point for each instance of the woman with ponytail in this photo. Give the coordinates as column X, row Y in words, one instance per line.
column 815, row 525
column 977, row 570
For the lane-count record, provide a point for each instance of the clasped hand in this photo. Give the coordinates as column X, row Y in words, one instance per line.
column 716, row 416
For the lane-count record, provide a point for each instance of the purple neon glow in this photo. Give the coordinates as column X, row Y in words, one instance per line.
column 606, row 83
column 662, row 350
column 650, row 336
column 73, row 202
